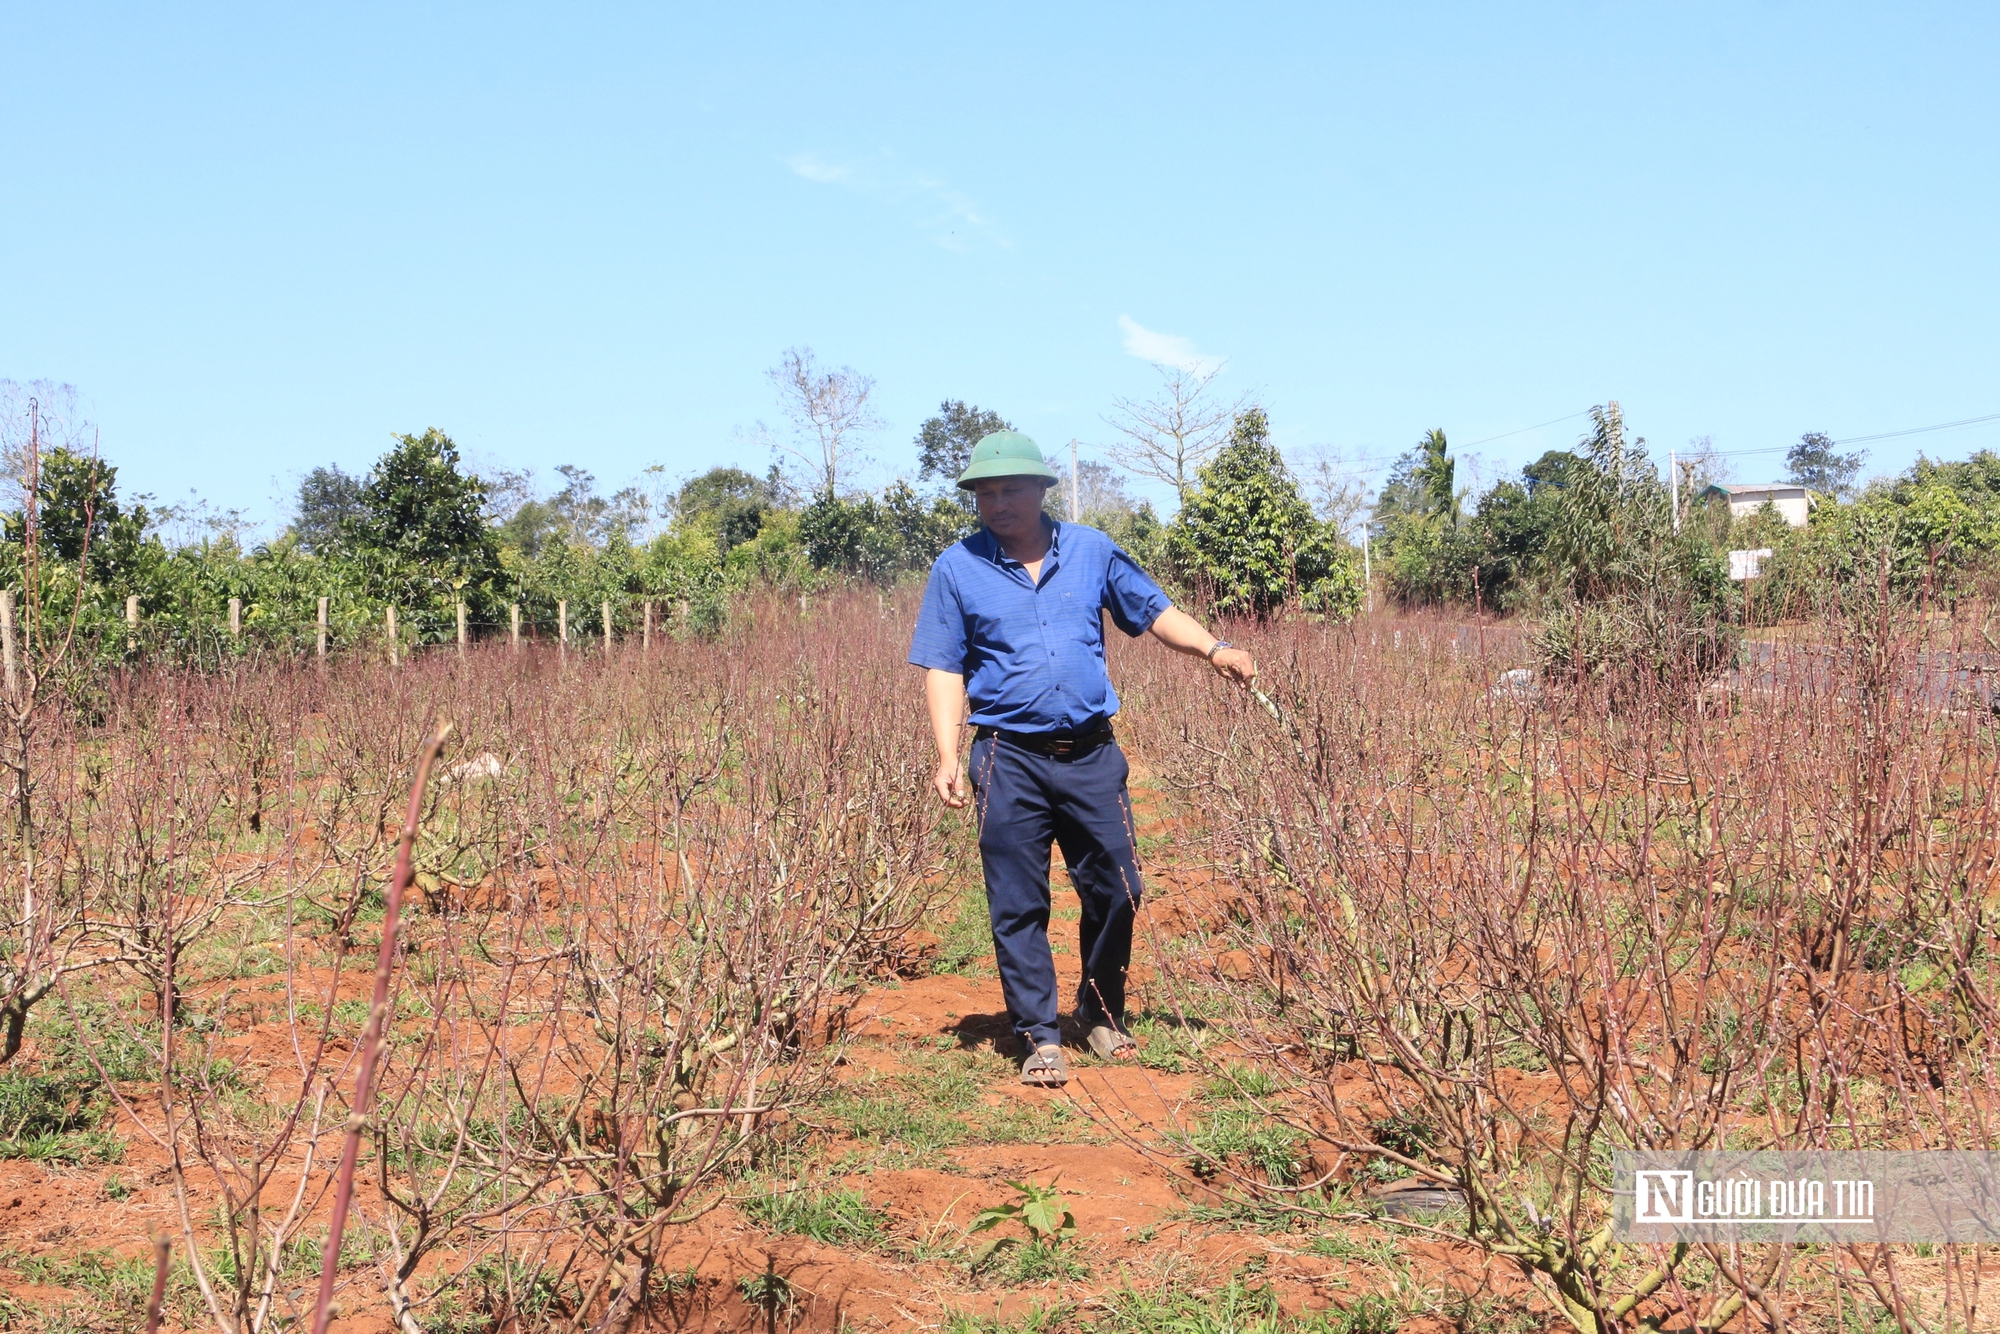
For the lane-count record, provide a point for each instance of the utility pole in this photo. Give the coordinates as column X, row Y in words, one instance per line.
column 1367, row 571
column 1674, row 481
column 1075, row 488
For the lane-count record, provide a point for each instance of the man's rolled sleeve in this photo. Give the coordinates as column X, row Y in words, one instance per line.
column 1132, row 598
column 939, row 641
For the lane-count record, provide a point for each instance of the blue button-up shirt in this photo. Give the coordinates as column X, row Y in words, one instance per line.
column 1032, row 654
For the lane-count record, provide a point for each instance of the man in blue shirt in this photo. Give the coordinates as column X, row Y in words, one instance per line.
column 1011, row 621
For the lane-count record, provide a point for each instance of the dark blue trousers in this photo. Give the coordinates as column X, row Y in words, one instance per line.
column 1025, row 802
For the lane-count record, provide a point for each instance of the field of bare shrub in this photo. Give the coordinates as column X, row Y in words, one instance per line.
column 688, row 1022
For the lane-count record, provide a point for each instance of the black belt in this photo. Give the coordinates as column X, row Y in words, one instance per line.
column 1047, row 743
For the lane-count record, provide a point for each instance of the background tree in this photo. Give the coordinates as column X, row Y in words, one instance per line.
column 828, row 413
column 727, row 502
column 944, row 442
column 1816, row 465
column 577, row 514
column 328, row 500
column 1169, row 436
column 1101, row 496
column 424, row 523
column 1337, row 492
column 1248, row 541
column 78, row 518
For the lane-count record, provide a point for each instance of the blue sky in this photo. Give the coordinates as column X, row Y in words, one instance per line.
column 263, row 238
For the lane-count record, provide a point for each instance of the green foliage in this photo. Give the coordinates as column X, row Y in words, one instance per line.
column 769, row 1291
column 422, row 537
column 882, row 537
column 78, row 518
column 1817, row 466
column 1625, row 594
column 728, row 505
column 1248, row 542
column 1244, row 1138
column 1240, row 1307
column 1041, row 1214
column 1935, row 527
column 329, row 500
column 837, row 1218
column 53, row 1118
column 944, row 442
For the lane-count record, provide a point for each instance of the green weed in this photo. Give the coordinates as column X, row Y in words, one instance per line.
column 1253, row 1139
column 837, row 1218
column 1239, row 1308
column 50, row 1118
column 1242, row 1081
column 769, row 1291
column 966, row 949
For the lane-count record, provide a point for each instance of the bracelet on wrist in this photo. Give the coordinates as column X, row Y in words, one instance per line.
column 1216, row 648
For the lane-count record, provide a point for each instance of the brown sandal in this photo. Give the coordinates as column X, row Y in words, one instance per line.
column 1045, row 1068
column 1112, row 1044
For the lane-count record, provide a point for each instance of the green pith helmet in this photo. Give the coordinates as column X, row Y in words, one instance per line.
column 1006, row 454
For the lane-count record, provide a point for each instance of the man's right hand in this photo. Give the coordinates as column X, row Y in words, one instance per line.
column 950, row 783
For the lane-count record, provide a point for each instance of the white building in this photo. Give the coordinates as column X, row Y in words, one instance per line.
column 1791, row 502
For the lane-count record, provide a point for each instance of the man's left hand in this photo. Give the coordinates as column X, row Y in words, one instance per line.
column 1235, row 664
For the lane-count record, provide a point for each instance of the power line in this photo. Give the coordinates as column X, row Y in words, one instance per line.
column 1388, row 458
column 1865, row 439
column 1525, row 429
column 1919, row 430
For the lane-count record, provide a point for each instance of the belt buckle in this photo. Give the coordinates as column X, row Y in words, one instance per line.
column 1061, row 746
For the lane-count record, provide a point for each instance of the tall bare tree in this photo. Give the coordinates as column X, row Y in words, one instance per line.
column 828, row 411
column 1169, row 436
column 1337, row 488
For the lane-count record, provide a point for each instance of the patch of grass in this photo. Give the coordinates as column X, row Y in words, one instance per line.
column 837, row 1217
column 938, row 1102
column 1037, row 1262
column 1252, row 1139
column 1239, row 1308
column 1369, row 1314
column 966, row 949
column 63, row 1034
column 1298, row 1213
column 769, row 1291
column 1471, row 1314
column 114, row 1291
column 1239, row 1081
column 1381, row 1251
column 1039, row 1320
column 50, row 1118
column 1165, row 1044
column 490, row 1295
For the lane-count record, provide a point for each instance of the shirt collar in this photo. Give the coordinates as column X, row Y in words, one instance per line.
column 994, row 553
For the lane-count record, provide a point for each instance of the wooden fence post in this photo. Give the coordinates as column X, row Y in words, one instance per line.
column 132, row 623
column 321, row 646
column 562, row 625
column 607, row 631
column 236, row 618
column 646, row 636
column 514, row 614
column 7, row 635
column 461, row 629
column 389, row 615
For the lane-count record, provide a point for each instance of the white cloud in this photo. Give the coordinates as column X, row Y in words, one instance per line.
column 950, row 217
column 1165, row 349
column 826, row 173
